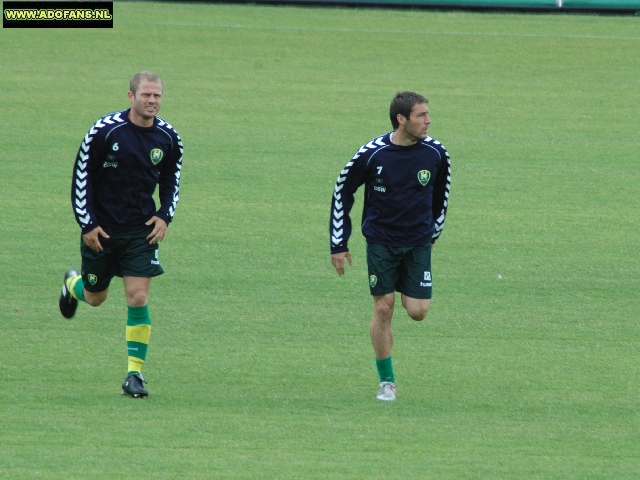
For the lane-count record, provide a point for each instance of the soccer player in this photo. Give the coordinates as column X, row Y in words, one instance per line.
column 121, row 160
column 407, row 177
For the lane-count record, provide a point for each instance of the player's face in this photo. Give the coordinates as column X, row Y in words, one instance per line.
column 417, row 126
column 147, row 100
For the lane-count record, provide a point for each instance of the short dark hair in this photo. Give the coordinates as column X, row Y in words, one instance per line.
column 402, row 104
column 139, row 77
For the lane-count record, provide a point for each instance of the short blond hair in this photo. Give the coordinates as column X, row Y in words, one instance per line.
column 139, row 77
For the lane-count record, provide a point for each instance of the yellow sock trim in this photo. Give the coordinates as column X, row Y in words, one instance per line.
column 71, row 285
column 135, row 364
column 139, row 333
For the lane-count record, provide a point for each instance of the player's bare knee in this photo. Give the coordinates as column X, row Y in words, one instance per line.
column 418, row 313
column 383, row 307
column 383, row 311
column 95, row 299
column 137, row 300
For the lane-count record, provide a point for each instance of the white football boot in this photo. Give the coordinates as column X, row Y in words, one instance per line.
column 387, row 391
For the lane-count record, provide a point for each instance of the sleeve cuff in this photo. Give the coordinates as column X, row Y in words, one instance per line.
column 88, row 228
column 164, row 217
column 339, row 249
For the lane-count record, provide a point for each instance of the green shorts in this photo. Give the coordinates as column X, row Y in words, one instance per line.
column 406, row 270
column 125, row 253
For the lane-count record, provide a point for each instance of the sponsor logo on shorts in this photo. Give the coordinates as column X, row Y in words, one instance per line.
column 373, row 280
column 93, row 279
column 424, row 176
column 155, row 260
column 156, row 155
column 427, row 280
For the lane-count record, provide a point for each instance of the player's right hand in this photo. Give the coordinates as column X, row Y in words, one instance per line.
column 92, row 239
column 337, row 260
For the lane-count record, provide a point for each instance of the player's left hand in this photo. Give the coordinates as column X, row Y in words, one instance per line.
column 159, row 230
column 337, row 260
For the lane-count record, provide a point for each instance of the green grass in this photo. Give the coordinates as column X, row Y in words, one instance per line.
column 260, row 364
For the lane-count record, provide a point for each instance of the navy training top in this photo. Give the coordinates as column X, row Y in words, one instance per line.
column 117, row 169
column 405, row 197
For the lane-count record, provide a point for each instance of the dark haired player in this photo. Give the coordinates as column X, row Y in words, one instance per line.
column 407, row 177
column 121, row 160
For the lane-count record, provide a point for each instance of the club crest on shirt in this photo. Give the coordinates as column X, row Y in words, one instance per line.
column 156, row 155
column 424, row 176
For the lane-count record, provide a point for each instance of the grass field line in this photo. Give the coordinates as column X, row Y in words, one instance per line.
column 383, row 31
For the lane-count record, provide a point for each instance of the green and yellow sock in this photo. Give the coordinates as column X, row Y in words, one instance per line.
column 75, row 285
column 138, row 334
column 385, row 370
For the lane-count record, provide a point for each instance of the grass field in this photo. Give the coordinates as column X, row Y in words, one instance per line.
column 260, row 365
